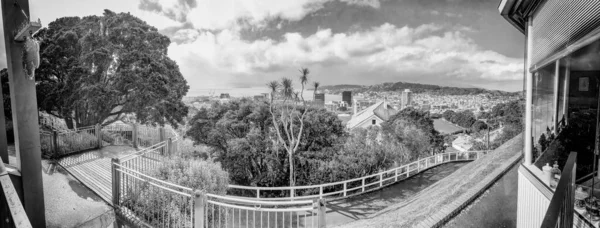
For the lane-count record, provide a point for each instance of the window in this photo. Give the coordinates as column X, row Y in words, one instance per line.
column 373, row 122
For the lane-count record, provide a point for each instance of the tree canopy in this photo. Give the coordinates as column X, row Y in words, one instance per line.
column 96, row 69
column 242, row 138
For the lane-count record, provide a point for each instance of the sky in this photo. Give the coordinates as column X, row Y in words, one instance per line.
column 230, row 44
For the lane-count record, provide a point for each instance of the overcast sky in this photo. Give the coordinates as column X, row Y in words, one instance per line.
column 245, row 43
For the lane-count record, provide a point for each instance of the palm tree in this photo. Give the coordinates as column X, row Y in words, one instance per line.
column 316, row 87
column 285, row 122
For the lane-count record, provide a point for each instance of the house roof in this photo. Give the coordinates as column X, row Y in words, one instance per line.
column 377, row 110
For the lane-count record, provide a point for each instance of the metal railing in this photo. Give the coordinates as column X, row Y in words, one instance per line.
column 71, row 141
column 561, row 209
column 149, row 201
column 356, row 186
column 147, row 159
column 118, row 134
column 10, row 199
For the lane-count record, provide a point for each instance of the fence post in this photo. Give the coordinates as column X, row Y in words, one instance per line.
column 380, row 179
column 396, row 175
column 169, row 145
column 55, row 141
column 345, row 188
column 134, row 134
column 161, row 138
column 292, row 192
column 258, row 193
column 99, row 135
column 322, row 213
column 199, row 201
column 116, row 182
column 321, row 192
column 363, row 184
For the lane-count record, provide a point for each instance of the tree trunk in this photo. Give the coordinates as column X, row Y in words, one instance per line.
column 292, row 179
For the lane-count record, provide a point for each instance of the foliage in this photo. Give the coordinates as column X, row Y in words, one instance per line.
column 195, row 174
column 414, row 128
column 510, row 116
column 240, row 135
column 478, row 126
column 286, row 118
column 76, row 141
column 99, row 68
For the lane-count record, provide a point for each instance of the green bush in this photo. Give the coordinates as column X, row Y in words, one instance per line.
column 75, row 142
column 155, row 204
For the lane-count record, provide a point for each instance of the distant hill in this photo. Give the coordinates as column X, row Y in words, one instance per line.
column 414, row 87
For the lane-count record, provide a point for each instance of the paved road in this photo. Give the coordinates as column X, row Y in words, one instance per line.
column 359, row 207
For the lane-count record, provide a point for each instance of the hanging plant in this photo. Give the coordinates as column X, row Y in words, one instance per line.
column 31, row 56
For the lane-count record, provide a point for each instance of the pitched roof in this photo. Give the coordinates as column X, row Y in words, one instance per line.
column 374, row 110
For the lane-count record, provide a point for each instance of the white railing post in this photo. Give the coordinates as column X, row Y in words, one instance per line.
column 319, row 205
column 380, row 179
column 292, row 192
column 363, row 185
column 199, row 201
column 345, row 188
column 396, row 175
column 258, row 193
column 426, row 162
column 320, row 192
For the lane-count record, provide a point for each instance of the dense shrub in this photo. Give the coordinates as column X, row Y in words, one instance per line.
column 76, row 141
column 158, row 204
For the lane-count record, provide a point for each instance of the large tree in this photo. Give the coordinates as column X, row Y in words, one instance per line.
column 96, row 69
column 241, row 136
column 288, row 120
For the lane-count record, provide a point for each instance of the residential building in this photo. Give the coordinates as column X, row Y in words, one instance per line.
column 562, row 70
column 463, row 143
column 224, row 96
column 347, row 97
column 319, row 99
column 374, row 115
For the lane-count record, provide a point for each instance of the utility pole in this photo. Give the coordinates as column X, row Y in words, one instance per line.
column 15, row 14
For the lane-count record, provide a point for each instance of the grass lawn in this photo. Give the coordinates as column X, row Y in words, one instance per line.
column 413, row 210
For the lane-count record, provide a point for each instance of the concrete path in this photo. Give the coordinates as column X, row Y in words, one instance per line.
column 436, row 204
column 362, row 206
column 500, row 200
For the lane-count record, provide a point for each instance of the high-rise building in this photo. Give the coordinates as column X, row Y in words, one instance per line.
column 406, row 98
column 347, row 97
column 320, row 99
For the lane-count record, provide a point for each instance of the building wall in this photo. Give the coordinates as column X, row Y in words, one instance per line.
column 347, row 97
column 532, row 203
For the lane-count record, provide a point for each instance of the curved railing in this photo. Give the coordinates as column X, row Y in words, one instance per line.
column 155, row 202
column 357, row 186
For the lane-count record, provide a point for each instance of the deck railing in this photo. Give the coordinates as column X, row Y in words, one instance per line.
column 561, row 209
column 356, row 186
column 16, row 216
column 66, row 142
column 149, row 201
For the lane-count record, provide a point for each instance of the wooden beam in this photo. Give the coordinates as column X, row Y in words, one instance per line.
column 24, row 111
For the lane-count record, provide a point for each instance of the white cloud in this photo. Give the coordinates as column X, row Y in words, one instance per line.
column 396, row 51
column 224, row 14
